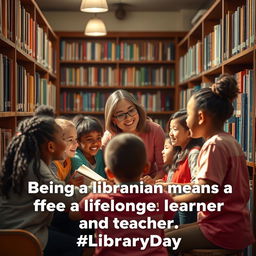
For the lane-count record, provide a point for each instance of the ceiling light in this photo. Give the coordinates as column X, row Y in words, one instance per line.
column 94, row 6
column 95, row 27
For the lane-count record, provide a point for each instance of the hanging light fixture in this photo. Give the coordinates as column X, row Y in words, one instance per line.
column 94, row 6
column 95, row 27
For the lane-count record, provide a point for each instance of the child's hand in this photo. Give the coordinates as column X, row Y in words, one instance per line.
column 161, row 182
column 148, row 180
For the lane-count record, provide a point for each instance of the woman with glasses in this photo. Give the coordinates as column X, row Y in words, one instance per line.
column 124, row 114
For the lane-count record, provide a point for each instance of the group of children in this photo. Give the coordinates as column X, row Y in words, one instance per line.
column 47, row 149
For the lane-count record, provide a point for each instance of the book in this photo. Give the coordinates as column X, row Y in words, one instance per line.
column 88, row 174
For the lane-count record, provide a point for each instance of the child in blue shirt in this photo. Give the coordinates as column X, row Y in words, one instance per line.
column 89, row 152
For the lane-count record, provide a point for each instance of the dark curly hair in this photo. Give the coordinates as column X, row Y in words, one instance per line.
column 218, row 99
column 23, row 148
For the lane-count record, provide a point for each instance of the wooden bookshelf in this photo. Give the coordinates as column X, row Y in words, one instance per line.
column 92, row 68
column 27, row 50
column 226, row 35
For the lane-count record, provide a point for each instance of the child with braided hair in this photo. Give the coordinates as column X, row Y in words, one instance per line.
column 39, row 142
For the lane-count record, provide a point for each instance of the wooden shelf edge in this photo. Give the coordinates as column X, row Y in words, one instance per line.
column 7, row 41
column 239, row 55
column 24, row 114
column 24, row 55
column 7, row 114
column 191, row 79
column 251, row 164
column 212, row 71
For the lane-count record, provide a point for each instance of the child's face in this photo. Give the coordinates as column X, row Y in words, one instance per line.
column 167, row 152
column 59, row 145
column 126, row 116
column 90, row 143
column 178, row 134
column 71, row 140
column 192, row 119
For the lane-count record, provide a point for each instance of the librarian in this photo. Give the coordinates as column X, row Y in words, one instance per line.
column 123, row 113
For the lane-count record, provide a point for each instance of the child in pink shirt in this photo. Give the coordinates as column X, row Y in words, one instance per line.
column 221, row 161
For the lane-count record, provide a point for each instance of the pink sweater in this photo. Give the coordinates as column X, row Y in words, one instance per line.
column 154, row 143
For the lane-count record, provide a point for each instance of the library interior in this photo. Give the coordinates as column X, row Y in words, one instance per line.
column 73, row 57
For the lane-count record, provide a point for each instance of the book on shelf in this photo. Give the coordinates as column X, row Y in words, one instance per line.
column 5, row 81
column 88, row 175
column 5, row 138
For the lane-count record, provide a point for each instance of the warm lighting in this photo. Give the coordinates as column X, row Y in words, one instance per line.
column 94, row 6
column 95, row 27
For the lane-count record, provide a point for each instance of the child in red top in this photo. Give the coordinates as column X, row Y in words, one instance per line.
column 184, row 162
column 125, row 157
column 220, row 162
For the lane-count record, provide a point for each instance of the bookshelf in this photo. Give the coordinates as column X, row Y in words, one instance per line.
column 27, row 64
column 223, row 41
column 144, row 63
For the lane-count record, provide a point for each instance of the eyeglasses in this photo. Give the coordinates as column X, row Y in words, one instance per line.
column 123, row 116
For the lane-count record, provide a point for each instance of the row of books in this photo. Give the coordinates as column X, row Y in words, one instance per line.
column 95, row 101
column 185, row 94
column 31, row 92
column 147, row 50
column 5, row 138
column 213, row 48
column 191, row 63
column 243, row 27
column 147, row 76
column 108, row 76
column 239, row 33
column 46, row 55
column 89, row 76
column 241, row 124
column 7, row 18
column 111, row 51
column 5, row 82
column 25, row 30
column 30, row 37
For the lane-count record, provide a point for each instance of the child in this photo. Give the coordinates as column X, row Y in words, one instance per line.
column 184, row 163
column 123, row 113
column 126, row 159
column 222, row 162
column 28, row 157
column 63, row 168
column 167, row 153
column 89, row 152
